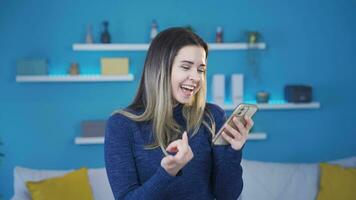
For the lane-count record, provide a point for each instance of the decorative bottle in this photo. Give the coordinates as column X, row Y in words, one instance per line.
column 89, row 35
column 219, row 35
column 154, row 30
column 105, row 35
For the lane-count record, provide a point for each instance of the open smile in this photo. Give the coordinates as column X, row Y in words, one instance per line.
column 187, row 89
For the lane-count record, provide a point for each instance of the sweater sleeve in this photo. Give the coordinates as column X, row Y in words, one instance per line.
column 120, row 164
column 227, row 170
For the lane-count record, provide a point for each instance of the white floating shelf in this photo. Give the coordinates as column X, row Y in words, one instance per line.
column 144, row 46
column 110, row 47
column 277, row 106
column 75, row 78
column 257, row 136
column 100, row 140
column 89, row 140
column 236, row 46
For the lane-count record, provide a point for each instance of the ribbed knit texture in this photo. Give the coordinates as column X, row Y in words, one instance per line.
column 135, row 173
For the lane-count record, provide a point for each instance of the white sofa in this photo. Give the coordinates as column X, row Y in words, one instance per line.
column 262, row 180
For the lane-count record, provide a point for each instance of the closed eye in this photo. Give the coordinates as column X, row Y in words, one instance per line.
column 201, row 70
column 185, row 67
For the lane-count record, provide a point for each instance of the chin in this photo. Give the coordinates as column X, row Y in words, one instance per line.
column 185, row 101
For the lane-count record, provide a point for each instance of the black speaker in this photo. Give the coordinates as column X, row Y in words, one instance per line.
column 298, row 93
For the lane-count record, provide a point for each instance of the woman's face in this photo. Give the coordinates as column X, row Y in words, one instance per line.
column 188, row 73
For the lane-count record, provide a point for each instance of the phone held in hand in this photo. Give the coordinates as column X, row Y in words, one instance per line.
column 240, row 112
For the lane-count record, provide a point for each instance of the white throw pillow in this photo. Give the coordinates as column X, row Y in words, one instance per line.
column 279, row 181
column 98, row 181
column 266, row 180
column 100, row 184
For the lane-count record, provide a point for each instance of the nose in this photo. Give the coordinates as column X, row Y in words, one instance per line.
column 194, row 76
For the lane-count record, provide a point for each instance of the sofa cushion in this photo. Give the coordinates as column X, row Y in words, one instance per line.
column 337, row 182
column 71, row 186
column 98, row 181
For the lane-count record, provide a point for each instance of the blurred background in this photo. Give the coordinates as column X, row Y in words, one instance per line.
column 308, row 42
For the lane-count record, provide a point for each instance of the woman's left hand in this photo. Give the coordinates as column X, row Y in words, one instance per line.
column 237, row 137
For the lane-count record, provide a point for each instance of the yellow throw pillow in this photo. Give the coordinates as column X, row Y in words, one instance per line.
column 72, row 186
column 337, row 182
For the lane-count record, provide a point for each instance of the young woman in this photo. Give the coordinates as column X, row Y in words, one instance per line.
column 160, row 147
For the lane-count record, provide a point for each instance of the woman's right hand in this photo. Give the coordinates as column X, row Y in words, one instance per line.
column 173, row 163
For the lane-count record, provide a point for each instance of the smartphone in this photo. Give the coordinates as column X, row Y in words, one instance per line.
column 240, row 112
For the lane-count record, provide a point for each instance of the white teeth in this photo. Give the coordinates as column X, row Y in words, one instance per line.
column 188, row 87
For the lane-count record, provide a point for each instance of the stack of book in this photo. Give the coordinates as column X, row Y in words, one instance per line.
column 114, row 66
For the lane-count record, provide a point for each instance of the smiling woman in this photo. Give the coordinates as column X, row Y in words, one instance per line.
column 175, row 56
column 159, row 147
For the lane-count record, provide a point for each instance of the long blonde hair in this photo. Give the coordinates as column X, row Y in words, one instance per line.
column 154, row 95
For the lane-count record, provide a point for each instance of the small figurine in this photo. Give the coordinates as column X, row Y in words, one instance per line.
column 89, row 36
column 74, row 69
column 105, row 35
column 219, row 35
column 154, row 30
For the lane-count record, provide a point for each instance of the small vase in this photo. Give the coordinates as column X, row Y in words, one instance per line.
column 262, row 97
column 74, row 69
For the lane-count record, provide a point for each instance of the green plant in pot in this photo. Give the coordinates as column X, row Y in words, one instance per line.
column 253, row 37
column 253, row 55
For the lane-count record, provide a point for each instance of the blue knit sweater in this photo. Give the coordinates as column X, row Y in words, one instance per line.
column 136, row 173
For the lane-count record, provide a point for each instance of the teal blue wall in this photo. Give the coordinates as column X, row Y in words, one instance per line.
column 309, row 42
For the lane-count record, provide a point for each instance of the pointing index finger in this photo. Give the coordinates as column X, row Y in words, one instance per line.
column 185, row 137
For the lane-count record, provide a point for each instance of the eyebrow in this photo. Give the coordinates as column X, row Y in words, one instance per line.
column 192, row 63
